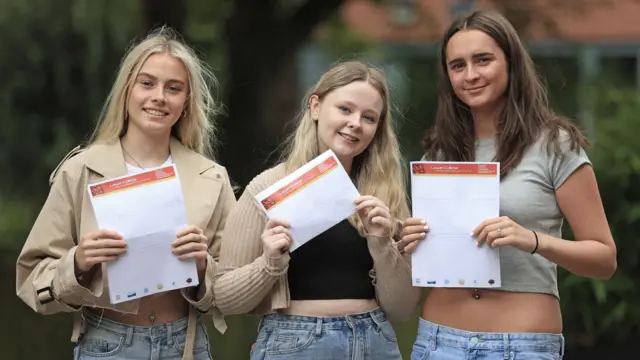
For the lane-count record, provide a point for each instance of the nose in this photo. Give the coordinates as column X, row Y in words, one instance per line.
column 354, row 120
column 158, row 94
column 471, row 74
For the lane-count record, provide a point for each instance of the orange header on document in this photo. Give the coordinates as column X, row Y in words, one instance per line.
column 299, row 183
column 129, row 182
column 452, row 169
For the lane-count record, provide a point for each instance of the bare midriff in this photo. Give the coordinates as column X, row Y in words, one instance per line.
column 153, row 310
column 493, row 311
column 327, row 308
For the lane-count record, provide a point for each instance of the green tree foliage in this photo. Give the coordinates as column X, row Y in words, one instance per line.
column 593, row 309
column 58, row 60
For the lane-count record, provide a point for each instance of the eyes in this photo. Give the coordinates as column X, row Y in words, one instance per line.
column 459, row 65
column 347, row 110
column 148, row 84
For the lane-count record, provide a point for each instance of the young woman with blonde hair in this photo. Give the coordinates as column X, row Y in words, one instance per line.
column 330, row 298
column 492, row 106
column 158, row 112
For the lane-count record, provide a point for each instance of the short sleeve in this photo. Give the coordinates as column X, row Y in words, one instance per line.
column 564, row 161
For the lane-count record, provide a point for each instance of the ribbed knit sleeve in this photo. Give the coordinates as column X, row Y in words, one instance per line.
column 394, row 288
column 246, row 275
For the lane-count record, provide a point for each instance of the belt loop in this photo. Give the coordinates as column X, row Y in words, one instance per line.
column 562, row 345
column 318, row 326
column 170, row 334
column 505, row 346
column 434, row 336
column 129, row 337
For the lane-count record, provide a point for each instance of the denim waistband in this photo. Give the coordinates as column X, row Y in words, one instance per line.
column 299, row 322
column 156, row 331
column 437, row 335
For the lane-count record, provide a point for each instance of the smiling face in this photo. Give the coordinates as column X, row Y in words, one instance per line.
column 347, row 119
column 477, row 69
column 158, row 95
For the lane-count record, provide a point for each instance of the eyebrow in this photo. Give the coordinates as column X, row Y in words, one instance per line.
column 475, row 56
column 142, row 73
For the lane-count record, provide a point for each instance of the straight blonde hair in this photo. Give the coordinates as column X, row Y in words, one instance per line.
column 378, row 171
column 195, row 129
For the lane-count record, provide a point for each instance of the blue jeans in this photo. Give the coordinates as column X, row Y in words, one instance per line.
column 436, row 342
column 366, row 336
column 109, row 340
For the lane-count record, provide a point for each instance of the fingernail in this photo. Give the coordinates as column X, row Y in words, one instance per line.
column 472, row 235
column 422, row 234
column 422, row 222
column 426, row 228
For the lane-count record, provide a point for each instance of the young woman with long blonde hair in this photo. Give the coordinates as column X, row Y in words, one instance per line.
column 330, row 298
column 158, row 112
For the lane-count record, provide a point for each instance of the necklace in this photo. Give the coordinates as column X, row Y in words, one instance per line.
column 152, row 317
column 132, row 158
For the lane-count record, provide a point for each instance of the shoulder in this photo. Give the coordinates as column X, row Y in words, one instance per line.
column 560, row 141
column 266, row 179
column 72, row 164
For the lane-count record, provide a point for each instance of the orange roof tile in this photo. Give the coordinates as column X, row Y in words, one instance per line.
column 617, row 21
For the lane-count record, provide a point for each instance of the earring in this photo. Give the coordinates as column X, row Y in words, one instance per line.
column 184, row 113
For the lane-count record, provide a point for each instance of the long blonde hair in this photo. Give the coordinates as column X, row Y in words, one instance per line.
column 195, row 128
column 378, row 171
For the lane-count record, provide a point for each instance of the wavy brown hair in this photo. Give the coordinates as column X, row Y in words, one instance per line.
column 525, row 117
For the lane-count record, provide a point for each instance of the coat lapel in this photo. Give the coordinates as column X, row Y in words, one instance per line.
column 107, row 160
column 201, row 183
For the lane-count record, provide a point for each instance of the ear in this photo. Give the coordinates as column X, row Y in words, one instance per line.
column 314, row 107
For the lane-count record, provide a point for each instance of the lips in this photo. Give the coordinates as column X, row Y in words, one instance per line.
column 348, row 137
column 476, row 89
column 155, row 112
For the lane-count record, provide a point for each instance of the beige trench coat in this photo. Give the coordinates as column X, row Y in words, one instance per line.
column 46, row 281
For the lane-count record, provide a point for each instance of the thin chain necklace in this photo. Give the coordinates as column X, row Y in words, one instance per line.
column 132, row 158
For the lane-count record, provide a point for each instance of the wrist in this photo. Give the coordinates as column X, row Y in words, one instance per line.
column 77, row 270
column 536, row 242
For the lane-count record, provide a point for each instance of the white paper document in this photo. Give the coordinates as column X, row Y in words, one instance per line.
column 312, row 199
column 454, row 198
column 147, row 209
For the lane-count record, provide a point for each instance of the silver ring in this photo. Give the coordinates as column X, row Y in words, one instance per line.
column 499, row 233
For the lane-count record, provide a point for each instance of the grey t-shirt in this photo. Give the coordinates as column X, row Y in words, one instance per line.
column 527, row 196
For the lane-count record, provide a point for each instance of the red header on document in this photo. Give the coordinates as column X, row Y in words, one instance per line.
column 298, row 184
column 128, row 182
column 453, row 169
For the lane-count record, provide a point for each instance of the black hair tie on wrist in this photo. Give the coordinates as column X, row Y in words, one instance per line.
column 537, row 242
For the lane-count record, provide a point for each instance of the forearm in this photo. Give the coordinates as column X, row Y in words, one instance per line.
column 240, row 290
column 394, row 288
column 588, row 258
column 52, row 286
column 201, row 296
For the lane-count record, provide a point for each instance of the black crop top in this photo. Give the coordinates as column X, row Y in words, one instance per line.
column 334, row 265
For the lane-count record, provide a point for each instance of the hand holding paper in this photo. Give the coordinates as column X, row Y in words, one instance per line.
column 148, row 210
column 276, row 238
column 374, row 214
column 99, row 247
column 502, row 231
column 312, row 199
column 192, row 244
